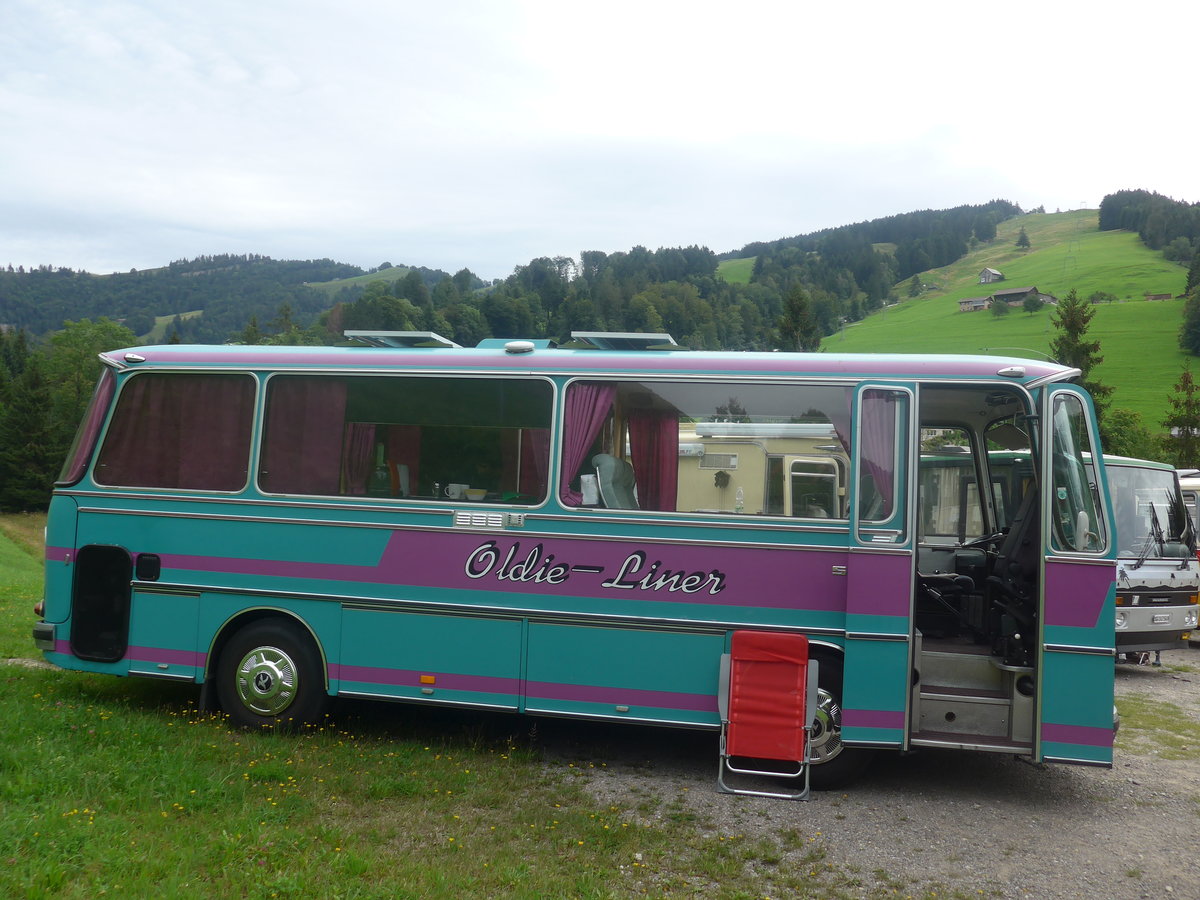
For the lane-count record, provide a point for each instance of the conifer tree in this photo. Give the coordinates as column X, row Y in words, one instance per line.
column 797, row 328
column 1071, row 320
column 1182, row 442
column 30, row 447
column 1193, row 277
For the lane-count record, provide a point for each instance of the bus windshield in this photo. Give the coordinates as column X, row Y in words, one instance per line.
column 1151, row 521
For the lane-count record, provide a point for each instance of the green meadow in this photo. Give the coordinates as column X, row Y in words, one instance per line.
column 1138, row 338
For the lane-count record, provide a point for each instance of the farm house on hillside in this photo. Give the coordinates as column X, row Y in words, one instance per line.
column 1013, row 297
column 987, row 276
column 1017, row 296
column 973, row 304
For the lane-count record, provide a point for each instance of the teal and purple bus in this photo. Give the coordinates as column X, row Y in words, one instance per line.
column 544, row 530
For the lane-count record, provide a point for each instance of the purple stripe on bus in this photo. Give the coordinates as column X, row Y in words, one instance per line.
column 1075, row 594
column 487, row 684
column 880, row 584
column 58, row 554
column 872, row 718
column 783, row 578
column 614, row 696
column 1084, row 735
column 162, row 655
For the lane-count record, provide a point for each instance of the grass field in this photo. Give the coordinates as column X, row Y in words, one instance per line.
column 395, row 273
column 736, row 271
column 20, row 581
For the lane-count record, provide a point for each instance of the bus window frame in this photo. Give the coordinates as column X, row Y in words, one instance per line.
column 518, row 378
column 114, row 407
column 1056, row 542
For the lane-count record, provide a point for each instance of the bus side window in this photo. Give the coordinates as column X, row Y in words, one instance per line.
column 726, row 448
column 408, row 436
column 180, row 430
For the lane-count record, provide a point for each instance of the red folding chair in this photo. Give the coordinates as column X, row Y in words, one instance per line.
column 767, row 700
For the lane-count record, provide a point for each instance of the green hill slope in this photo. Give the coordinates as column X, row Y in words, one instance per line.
column 392, row 275
column 1138, row 338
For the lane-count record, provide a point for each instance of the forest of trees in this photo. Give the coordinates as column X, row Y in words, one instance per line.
column 1162, row 223
column 228, row 289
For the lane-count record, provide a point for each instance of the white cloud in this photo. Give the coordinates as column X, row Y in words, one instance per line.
column 485, row 134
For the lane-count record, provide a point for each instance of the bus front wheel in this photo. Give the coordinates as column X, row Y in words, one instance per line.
column 832, row 764
column 270, row 675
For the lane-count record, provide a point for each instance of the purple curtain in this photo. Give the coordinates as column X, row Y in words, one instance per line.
column 217, row 414
column 654, row 444
column 878, row 445
column 840, row 417
column 588, row 405
column 302, row 445
column 358, row 452
column 404, row 448
column 535, row 461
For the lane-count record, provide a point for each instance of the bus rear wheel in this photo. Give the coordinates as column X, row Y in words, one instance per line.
column 270, row 675
column 832, row 763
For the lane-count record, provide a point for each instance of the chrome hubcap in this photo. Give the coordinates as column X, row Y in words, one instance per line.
column 266, row 681
column 826, row 740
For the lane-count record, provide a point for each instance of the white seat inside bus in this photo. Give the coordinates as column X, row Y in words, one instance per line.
column 617, row 484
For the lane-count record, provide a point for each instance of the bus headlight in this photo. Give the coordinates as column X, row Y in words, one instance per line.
column 1120, row 619
column 1189, row 618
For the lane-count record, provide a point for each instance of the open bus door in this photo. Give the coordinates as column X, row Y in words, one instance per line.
column 880, row 568
column 1075, row 645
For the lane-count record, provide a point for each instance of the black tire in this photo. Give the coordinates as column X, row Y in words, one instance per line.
column 270, row 675
column 833, row 764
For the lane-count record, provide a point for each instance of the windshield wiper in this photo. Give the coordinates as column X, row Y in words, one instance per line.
column 1155, row 537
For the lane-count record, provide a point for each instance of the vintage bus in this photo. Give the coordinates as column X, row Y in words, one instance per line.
column 515, row 527
column 1158, row 575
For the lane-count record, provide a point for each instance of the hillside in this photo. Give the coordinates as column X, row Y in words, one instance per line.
column 1139, row 338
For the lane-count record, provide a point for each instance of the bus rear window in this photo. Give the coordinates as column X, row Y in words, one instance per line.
column 176, row 430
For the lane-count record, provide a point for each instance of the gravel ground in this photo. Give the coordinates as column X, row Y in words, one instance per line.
column 950, row 820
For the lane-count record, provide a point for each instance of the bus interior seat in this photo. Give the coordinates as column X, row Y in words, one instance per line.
column 941, row 603
column 616, row 481
column 1013, row 582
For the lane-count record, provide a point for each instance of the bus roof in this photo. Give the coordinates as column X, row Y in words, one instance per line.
column 1130, row 462
column 520, row 356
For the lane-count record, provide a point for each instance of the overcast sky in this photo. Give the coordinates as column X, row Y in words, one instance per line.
column 485, row 134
